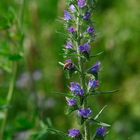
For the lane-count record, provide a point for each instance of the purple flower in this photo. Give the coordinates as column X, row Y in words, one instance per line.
column 101, row 132
column 72, row 30
column 76, row 89
column 85, row 48
column 95, row 68
column 69, row 46
column 81, row 3
column 69, row 65
column 72, row 8
column 74, row 133
column 93, row 84
column 71, row 102
column 90, row 30
column 85, row 113
column 67, row 16
column 87, row 16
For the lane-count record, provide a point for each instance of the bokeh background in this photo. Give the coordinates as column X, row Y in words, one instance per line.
column 40, row 78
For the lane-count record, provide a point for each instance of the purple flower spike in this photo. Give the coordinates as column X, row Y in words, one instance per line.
column 72, row 30
column 85, row 113
column 101, row 132
column 93, row 84
column 67, row 16
column 69, row 65
column 87, row 16
column 95, row 68
column 90, row 30
column 76, row 89
column 81, row 3
column 71, row 102
column 74, row 133
column 85, row 48
column 72, row 8
column 69, row 46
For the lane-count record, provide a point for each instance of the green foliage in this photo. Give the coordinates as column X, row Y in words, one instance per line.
column 46, row 130
column 117, row 33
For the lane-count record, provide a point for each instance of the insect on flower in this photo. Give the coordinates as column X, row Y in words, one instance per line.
column 69, row 65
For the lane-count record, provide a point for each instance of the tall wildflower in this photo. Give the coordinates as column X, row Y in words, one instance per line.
column 78, row 52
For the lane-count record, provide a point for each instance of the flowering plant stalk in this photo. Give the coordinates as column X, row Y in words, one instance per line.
column 77, row 51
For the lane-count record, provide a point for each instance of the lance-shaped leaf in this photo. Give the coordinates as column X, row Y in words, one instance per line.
column 100, row 112
column 104, row 124
column 49, row 122
column 46, row 130
column 105, row 92
column 94, row 93
column 57, row 132
column 99, row 123
column 98, row 54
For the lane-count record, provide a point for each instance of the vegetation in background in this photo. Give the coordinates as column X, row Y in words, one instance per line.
column 39, row 76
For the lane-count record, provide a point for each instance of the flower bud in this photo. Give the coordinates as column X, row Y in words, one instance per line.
column 85, row 113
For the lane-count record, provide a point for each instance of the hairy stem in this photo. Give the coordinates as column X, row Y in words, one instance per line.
column 82, row 76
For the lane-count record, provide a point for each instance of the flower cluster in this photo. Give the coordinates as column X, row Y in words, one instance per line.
column 76, row 89
column 81, row 34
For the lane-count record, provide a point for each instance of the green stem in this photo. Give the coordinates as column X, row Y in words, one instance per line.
column 82, row 77
column 9, row 98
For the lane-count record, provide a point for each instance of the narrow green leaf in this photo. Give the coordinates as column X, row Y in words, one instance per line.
column 97, row 116
column 48, row 122
column 106, row 92
column 104, row 124
column 96, row 54
column 57, row 132
column 95, row 93
column 100, row 123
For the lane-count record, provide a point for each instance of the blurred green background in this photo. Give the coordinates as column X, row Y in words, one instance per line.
column 39, row 76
